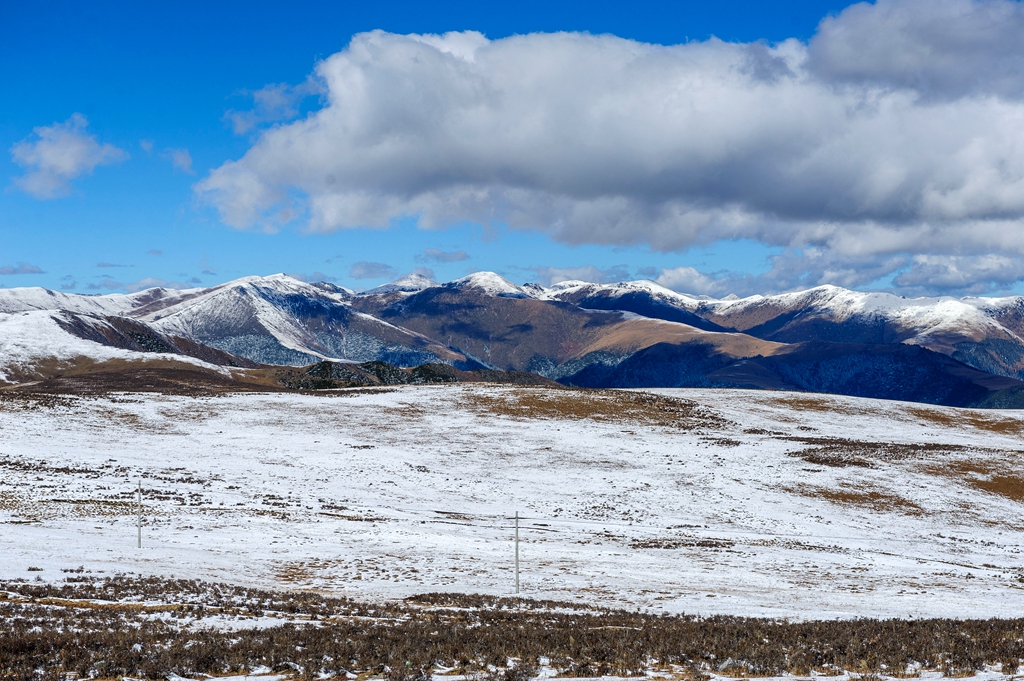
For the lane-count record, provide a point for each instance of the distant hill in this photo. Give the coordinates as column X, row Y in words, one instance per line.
column 633, row 334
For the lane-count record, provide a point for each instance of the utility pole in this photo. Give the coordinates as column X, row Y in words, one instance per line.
column 517, row 553
column 140, row 513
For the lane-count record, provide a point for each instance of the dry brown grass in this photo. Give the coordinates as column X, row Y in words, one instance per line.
column 598, row 405
column 682, row 542
column 50, row 631
column 996, row 477
column 841, row 452
column 404, row 411
column 88, row 508
column 992, row 423
column 882, row 502
column 808, row 403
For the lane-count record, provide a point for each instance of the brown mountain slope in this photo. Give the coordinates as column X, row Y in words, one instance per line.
column 526, row 334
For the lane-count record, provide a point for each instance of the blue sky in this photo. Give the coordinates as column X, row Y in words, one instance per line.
column 155, row 194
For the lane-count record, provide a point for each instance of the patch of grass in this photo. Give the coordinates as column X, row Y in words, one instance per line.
column 883, row 502
column 992, row 423
column 682, row 542
column 598, row 405
column 1003, row 479
column 842, row 452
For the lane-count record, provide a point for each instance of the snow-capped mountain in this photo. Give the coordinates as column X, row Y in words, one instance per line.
column 986, row 333
column 411, row 283
column 632, row 334
column 281, row 320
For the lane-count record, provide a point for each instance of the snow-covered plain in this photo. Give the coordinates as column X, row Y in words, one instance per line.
column 388, row 493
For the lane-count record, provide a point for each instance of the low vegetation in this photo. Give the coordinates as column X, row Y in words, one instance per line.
column 151, row 628
column 636, row 408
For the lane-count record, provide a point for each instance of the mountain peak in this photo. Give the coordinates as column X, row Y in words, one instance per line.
column 491, row 284
column 410, row 283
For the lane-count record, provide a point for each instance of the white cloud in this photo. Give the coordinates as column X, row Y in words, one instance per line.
column 272, row 103
column 152, row 282
column 105, row 285
column 792, row 270
column 858, row 152
column 940, row 48
column 371, row 270
column 691, row 281
column 425, row 272
column 546, row 276
column 975, row 275
column 20, row 268
column 311, row 278
column 437, row 255
column 59, row 153
column 180, row 159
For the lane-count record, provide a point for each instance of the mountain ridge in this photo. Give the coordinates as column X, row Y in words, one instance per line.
column 629, row 334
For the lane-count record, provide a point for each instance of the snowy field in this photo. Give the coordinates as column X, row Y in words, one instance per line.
column 747, row 503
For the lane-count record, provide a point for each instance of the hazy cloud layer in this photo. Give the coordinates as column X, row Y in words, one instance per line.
column 424, row 272
column 153, row 282
column 271, row 103
column 180, row 159
column 20, row 268
column 896, row 132
column 546, row 276
column 372, row 270
column 57, row 154
column 105, row 285
column 437, row 255
column 312, row 278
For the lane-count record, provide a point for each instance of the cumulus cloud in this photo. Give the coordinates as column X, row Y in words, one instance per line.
column 437, row 255
column 546, row 276
column 57, row 154
column 976, row 275
column 940, row 48
column 895, row 132
column 180, row 159
column 791, row 270
column 372, row 270
column 689, row 280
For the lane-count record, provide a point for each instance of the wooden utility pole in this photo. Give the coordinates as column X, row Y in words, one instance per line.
column 140, row 513
column 517, row 553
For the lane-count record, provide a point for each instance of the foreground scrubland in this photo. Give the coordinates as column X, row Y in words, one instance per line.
column 157, row 629
column 693, row 532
